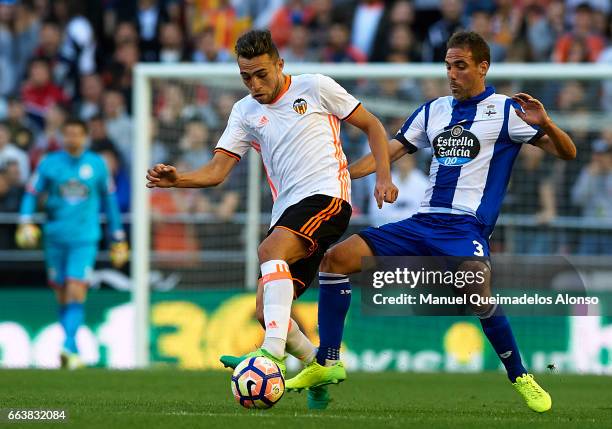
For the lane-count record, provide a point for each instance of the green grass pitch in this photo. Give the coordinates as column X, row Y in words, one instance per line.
column 96, row 398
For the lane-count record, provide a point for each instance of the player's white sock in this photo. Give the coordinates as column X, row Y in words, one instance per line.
column 299, row 345
column 277, row 299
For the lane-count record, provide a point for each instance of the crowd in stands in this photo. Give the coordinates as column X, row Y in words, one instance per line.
column 63, row 58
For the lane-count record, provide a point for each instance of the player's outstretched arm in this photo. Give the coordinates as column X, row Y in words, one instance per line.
column 555, row 141
column 385, row 190
column 210, row 174
column 366, row 164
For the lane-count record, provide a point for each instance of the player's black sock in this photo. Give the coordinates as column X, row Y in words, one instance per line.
column 497, row 329
column 334, row 302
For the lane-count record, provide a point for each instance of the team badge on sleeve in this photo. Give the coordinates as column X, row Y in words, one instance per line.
column 300, row 106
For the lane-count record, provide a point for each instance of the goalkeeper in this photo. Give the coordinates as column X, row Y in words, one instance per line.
column 76, row 183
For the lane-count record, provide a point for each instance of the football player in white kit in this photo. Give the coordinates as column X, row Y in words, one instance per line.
column 475, row 135
column 294, row 123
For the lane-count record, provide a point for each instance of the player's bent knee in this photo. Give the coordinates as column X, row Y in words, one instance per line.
column 481, row 270
column 333, row 261
column 263, row 253
column 76, row 291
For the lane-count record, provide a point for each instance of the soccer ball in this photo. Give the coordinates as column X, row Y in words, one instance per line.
column 27, row 236
column 257, row 382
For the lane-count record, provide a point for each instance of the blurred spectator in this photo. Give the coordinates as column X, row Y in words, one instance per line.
column 262, row 11
column 206, row 50
column 434, row 49
column 52, row 137
column 222, row 17
column 544, row 27
column 567, row 173
column 10, row 153
column 412, row 184
column 577, row 52
column 293, row 13
column 606, row 96
column 433, row 88
column 98, row 135
column 194, row 145
column 507, row 21
column 149, row 17
column 593, row 193
column 10, row 201
column 8, row 73
column 532, row 193
column 39, row 92
column 19, row 33
column 366, row 24
column 159, row 152
column 481, row 22
column 19, row 125
column 600, row 23
column 599, row 5
column 298, row 49
column 91, row 97
column 339, row 48
column 400, row 16
column 320, row 22
column 78, row 49
column 571, row 95
column 582, row 33
column 171, row 114
column 118, row 72
column 402, row 42
column 126, row 32
column 10, row 192
column 172, row 44
column 26, row 31
column 117, row 171
column 118, row 123
column 49, row 49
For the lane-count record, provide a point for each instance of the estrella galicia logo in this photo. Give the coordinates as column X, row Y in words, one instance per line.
column 73, row 191
column 300, row 106
column 456, row 146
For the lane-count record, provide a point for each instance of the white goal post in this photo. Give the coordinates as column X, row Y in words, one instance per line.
column 227, row 74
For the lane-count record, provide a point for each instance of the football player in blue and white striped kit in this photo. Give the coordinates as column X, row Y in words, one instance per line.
column 475, row 135
column 77, row 184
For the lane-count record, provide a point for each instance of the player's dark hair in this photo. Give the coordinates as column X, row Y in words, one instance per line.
column 76, row 122
column 255, row 43
column 472, row 41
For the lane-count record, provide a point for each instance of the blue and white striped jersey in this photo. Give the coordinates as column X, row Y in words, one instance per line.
column 475, row 143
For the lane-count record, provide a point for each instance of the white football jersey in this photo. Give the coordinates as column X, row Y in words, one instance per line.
column 298, row 136
column 475, row 143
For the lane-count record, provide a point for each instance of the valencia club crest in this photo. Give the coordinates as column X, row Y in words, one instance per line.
column 300, row 106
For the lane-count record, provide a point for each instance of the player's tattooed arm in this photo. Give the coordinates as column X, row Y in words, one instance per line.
column 366, row 165
column 554, row 141
column 211, row 174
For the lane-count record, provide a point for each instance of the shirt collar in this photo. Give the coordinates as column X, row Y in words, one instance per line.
column 489, row 90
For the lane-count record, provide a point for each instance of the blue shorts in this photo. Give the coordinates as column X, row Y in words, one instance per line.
column 69, row 261
column 429, row 234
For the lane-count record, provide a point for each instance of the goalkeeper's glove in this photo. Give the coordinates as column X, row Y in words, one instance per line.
column 27, row 236
column 119, row 253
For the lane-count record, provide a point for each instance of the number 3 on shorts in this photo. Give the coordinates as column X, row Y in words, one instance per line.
column 479, row 250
